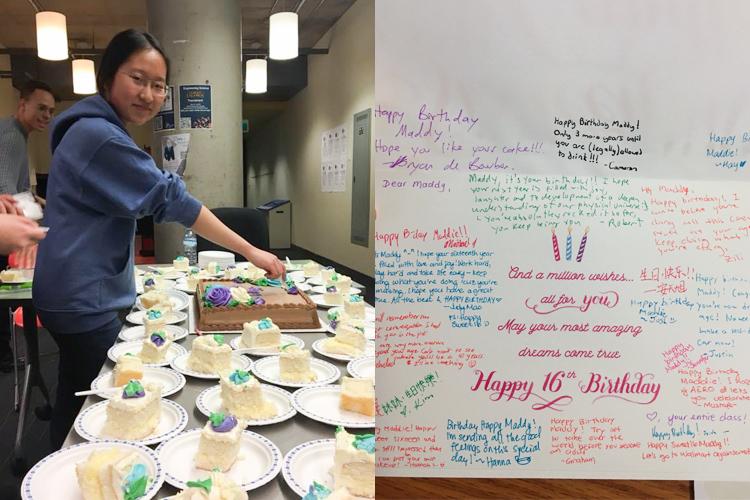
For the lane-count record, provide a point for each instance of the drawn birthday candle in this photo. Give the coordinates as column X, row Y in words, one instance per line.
column 582, row 247
column 569, row 245
column 555, row 247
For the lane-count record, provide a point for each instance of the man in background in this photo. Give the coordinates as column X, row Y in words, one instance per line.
column 35, row 109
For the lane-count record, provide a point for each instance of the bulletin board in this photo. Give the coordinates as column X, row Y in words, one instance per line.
column 562, row 239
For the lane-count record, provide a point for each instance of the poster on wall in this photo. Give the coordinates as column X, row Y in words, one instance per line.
column 164, row 119
column 174, row 150
column 195, row 106
column 333, row 152
column 561, row 253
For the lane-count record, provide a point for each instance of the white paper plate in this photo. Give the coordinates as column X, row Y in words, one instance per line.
column 285, row 339
column 362, row 367
column 173, row 420
column 268, row 369
column 322, row 289
column 139, row 332
column 258, row 462
column 319, row 347
column 237, row 362
column 165, row 285
column 180, row 300
column 55, row 475
column 321, row 403
column 309, row 462
column 320, row 302
column 369, row 329
column 304, row 287
column 369, row 314
column 209, row 401
column 169, row 272
column 183, row 287
column 170, row 318
column 297, row 276
column 134, row 347
column 169, row 380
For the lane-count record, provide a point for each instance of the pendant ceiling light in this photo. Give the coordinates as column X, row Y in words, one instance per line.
column 283, row 39
column 84, row 76
column 256, row 76
column 51, row 36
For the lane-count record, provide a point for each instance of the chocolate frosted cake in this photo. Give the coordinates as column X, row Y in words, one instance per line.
column 225, row 305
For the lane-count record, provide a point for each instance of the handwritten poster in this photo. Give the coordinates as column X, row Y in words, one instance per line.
column 563, row 239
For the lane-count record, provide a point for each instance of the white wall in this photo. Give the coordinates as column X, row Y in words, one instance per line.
column 285, row 153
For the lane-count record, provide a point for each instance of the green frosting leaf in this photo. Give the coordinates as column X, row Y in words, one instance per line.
column 219, row 338
column 216, row 419
column 233, row 303
column 133, row 388
column 285, row 346
column 136, row 489
column 205, row 484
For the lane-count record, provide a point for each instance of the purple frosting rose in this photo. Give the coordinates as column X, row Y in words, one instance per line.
column 227, row 424
column 253, row 290
column 259, row 301
column 219, row 296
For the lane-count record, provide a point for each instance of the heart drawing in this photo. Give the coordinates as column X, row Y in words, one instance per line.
column 651, row 416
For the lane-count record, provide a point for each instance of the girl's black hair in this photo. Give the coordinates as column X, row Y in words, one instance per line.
column 120, row 48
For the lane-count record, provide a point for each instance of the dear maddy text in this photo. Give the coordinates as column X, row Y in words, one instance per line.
column 637, row 388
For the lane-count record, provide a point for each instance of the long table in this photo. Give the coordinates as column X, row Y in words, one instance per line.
column 286, row 435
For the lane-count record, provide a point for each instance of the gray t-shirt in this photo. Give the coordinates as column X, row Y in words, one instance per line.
column 14, row 159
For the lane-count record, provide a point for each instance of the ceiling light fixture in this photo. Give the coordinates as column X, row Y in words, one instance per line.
column 256, row 76
column 84, row 76
column 283, row 37
column 51, row 36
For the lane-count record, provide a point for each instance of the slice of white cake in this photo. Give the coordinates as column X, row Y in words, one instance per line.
column 181, row 263
column 294, row 364
column 219, row 442
column 358, row 395
column 311, row 269
column 242, row 395
column 154, row 320
column 261, row 334
column 318, row 491
column 349, row 341
column 128, row 367
column 332, row 296
column 155, row 347
column 355, row 307
column 340, row 281
column 210, row 354
column 156, row 299
column 217, row 486
column 133, row 413
column 112, row 473
column 354, row 463
column 326, row 273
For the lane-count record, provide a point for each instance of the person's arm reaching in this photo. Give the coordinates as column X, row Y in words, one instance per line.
column 18, row 232
column 210, row 227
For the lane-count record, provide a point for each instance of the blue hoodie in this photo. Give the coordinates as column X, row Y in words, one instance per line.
column 100, row 182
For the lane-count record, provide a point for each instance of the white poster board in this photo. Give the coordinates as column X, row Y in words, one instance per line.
column 562, row 239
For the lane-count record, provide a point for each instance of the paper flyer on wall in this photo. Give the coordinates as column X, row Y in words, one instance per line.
column 334, row 157
column 174, row 149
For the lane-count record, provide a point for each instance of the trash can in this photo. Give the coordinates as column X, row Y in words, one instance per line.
column 279, row 219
